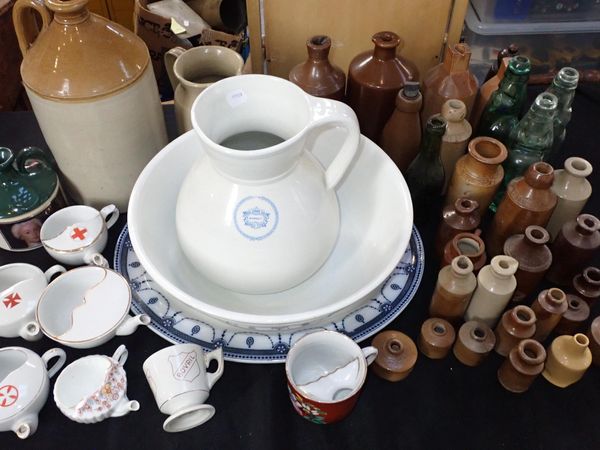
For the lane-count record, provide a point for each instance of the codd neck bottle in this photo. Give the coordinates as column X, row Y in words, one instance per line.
column 425, row 175
column 563, row 86
column 501, row 114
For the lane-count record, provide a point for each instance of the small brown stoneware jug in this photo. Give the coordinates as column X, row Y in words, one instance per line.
column 436, row 338
column 478, row 174
column 374, row 79
column 456, row 137
column 574, row 318
column 317, row 76
column 587, row 284
column 522, row 366
column 549, row 306
column 453, row 290
column 469, row 245
column 461, row 217
column 568, row 359
column 573, row 249
column 593, row 335
column 396, row 357
column 515, row 325
column 528, row 201
column 534, row 258
column 474, row 342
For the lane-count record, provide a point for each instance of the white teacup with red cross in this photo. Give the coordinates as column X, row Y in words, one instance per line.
column 77, row 234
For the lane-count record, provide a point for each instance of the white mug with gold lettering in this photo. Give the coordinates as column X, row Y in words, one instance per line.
column 180, row 383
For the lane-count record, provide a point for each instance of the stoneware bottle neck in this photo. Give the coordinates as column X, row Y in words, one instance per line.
column 576, row 171
column 486, row 154
column 68, row 12
column 531, row 352
column 457, row 57
column 587, row 224
column 536, row 236
column 577, row 345
column 466, row 207
column 503, row 267
column 454, row 111
column 553, row 299
column 386, row 44
column 318, row 48
column 462, row 267
column 539, row 175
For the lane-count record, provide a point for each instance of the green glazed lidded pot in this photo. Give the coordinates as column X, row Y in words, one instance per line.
column 29, row 193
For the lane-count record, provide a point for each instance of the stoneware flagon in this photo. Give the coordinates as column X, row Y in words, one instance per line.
column 258, row 213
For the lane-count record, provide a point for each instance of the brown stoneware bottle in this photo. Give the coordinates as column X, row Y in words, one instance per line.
column 528, row 201
column 478, row 174
column 374, row 79
column 456, row 137
column 436, row 338
column 469, row 245
column 474, row 342
column 568, row 359
column 461, row 217
column 593, row 335
column 549, row 306
column 451, row 79
column 574, row 317
column 522, row 366
column 587, row 284
column 515, row 325
column 453, row 290
column 534, row 258
column 401, row 136
column 574, row 248
column 317, row 75
column 485, row 92
column 396, row 357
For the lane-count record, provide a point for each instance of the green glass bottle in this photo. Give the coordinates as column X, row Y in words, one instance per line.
column 529, row 140
column 502, row 111
column 425, row 175
column 563, row 86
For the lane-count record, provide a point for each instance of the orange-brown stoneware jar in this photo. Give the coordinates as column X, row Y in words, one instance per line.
column 515, row 325
column 396, row 357
column 522, row 366
column 587, row 284
column 461, row 217
column 436, row 338
column 549, row 306
column 575, row 317
column 474, row 342
column 469, row 245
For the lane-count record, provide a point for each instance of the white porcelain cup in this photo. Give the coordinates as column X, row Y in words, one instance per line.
column 20, row 288
column 78, row 234
column 180, row 383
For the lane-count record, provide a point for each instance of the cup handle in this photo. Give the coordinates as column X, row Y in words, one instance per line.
column 217, row 355
column 54, row 353
column 370, row 353
column 120, row 355
column 53, row 271
column 96, row 259
column 113, row 212
column 170, row 58
column 327, row 113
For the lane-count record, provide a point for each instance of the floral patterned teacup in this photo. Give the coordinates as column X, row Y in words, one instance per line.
column 325, row 373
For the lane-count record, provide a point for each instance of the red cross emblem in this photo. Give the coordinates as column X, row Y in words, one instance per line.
column 79, row 233
column 8, row 395
column 12, row 300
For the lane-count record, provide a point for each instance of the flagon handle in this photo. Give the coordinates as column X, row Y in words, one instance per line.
column 26, row 27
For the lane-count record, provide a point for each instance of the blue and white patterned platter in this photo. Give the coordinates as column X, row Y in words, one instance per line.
column 177, row 323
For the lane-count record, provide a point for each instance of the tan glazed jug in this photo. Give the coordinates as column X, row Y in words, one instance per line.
column 92, row 88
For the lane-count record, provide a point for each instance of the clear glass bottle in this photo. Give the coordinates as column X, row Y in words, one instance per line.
column 563, row 86
column 425, row 175
column 501, row 114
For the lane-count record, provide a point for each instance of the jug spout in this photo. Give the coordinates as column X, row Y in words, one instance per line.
column 31, row 331
column 131, row 323
column 125, row 406
column 26, row 426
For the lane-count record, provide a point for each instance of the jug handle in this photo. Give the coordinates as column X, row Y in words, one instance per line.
column 54, row 353
column 331, row 113
column 26, row 28
column 170, row 58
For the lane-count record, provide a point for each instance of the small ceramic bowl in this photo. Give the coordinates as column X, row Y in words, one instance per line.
column 94, row 388
column 86, row 307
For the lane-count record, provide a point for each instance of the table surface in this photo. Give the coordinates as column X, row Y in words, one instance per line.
column 441, row 404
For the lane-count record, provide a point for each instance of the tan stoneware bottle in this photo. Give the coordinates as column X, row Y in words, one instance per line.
column 317, row 75
column 478, row 174
column 474, row 342
column 528, row 201
column 573, row 248
column 575, row 317
column 396, row 357
column 456, row 137
column 451, row 79
column 469, row 245
column 496, row 285
column 593, row 335
column 485, row 92
column 522, row 366
column 568, row 359
column 534, row 258
column 453, row 290
column 374, row 79
column 436, row 338
column 461, row 217
column 401, row 135
column 515, row 325
column 549, row 306
column 573, row 191
column 587, row 284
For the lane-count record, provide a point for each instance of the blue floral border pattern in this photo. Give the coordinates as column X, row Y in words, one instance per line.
column 263, row 347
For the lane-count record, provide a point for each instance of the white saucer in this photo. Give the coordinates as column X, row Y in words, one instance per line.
column 188, row 418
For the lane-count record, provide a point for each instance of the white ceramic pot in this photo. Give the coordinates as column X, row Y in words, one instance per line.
column 24, row 384
column 259, row 214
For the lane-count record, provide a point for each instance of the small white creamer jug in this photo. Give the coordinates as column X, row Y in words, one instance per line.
column 257, row 213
